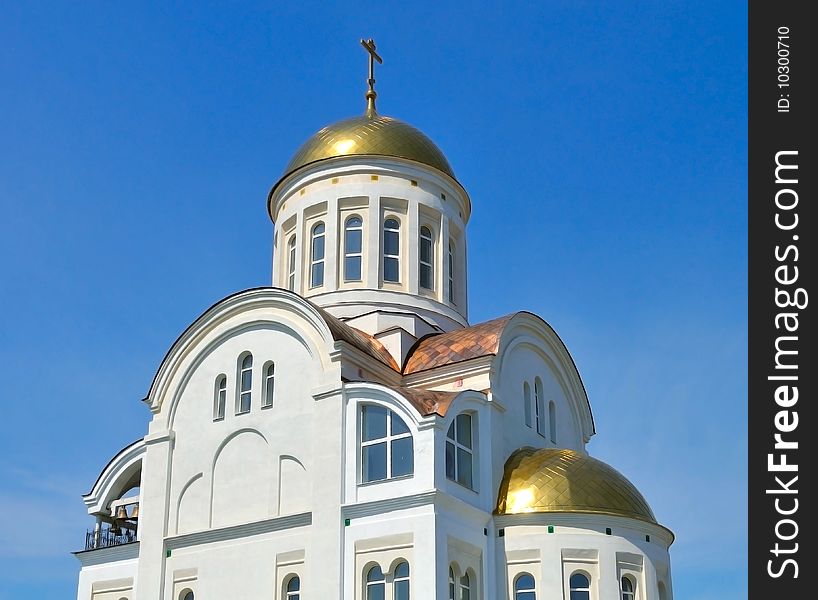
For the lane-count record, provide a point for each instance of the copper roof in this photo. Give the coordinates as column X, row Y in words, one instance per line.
column 427, row 402
column 456, row 346
column 554, row 480
column 358, row 339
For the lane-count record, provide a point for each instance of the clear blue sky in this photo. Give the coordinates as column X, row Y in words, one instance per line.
column 604, row 147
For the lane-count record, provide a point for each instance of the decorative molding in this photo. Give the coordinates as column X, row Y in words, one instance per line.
column 238, row 531
column 111, row 554
column 377, row 507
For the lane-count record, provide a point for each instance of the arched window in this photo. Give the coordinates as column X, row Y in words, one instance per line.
column 269, row 385
column 245, row 383
column 391, row 250
column 580, row 587
column 400, row 583
column 353, row 248
column 451, row 272
column 375, row 584
column 386, row 445
column 539, row 411
column 220, row 397
column 426, row 259
column 293, row 589
column 628, row 589
column 524, row 587
column 452, row 585
column 291, row 264
column 552, row 421
column 459, row 452
column 186, row 595
column 465, row 587
column 317, row 256
column 527, row 401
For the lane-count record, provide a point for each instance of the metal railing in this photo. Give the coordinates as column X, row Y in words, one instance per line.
column 107, row 537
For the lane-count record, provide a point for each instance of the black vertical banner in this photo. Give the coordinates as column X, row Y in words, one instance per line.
column 783, row 222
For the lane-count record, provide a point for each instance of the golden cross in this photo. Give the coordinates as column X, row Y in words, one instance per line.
column 369, row 46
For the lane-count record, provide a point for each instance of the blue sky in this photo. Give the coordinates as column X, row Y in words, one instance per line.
column 603, row 145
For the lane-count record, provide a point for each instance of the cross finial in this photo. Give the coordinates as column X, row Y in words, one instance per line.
column 369, row 46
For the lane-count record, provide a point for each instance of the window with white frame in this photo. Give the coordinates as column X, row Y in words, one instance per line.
column 386, row 445
column 426, row 259
column 293, row 588
column 539, row 409
column 353, row 248
column 400, row 582
column 552, row 421
column 220, row 397
column 375, row 584
column 291, row 263
column 628, row 588
column 451, row 272
column 391, row 250
column 452, row 585
column 465, row 586
column 317, row 255
column 186, row 595
column 579, row 586
column 459, row 451
column 269, row 385
column 524, row 588
column 527, row 401
column 245, row 383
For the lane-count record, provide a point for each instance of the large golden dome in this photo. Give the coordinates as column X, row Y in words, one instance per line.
column 370, row 134
column 564, row 481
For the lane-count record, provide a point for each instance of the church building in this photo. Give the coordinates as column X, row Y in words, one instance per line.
column 348, row 434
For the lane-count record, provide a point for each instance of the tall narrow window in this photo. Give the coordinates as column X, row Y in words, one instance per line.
column 452, row 585
column 580, row 587
column 524, row 587
column 391, row 250
column 539, row 409
column 353, row 248
column 465, row 587
column 459, row 454
column 628, row 591
column 527, row 401
column 291, row 264
column 317, row 256
column 245, row 383
column 386, row 445
column 451, row 272
column 426, row 257
column 269, row 385
column 552, row 421
column 400, row 583
column 375, row 584
column 294, row 588
column 220, row 397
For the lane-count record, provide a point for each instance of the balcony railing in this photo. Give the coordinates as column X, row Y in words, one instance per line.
column 107, row 537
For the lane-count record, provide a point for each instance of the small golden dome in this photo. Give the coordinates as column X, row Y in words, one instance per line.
column 564, row 481
column 370, row 134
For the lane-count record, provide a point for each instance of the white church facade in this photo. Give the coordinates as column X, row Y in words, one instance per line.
column 348, row 434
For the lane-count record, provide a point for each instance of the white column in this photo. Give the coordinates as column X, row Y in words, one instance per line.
column 443, row 259
column 153, row 513
column 332, row 262
column 410, row 248
column 373, row 240
column 325, row 550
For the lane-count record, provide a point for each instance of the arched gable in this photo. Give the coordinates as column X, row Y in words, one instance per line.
column 528, row 329
column 122, row 473
column 258, row 307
